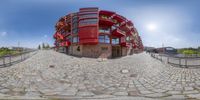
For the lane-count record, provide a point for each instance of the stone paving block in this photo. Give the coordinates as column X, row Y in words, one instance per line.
column 157, row 95
column 196, row 96
column 191, row 92
column 175, row 97
column 146, row 92
column 85, row 93
column 120, row 93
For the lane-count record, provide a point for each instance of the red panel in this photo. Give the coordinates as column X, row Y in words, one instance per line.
column 125, row 44
column 106, row 22
column 104, row 12
column 119, row 18
column 117, row 32
column 88, row 35
column 123, row 39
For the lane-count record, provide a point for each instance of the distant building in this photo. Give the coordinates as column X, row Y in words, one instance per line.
column 96, row 33
column 167, row 50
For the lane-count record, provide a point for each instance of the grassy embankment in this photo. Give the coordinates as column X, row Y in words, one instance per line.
column 189, row 51
column 6, row 51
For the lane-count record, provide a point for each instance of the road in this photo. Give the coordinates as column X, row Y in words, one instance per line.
column 50, row 74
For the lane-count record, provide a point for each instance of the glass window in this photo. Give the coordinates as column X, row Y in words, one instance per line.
column 104, row 30
column 115, row 41
column 128, row 38
column 104, row 39
column 75, row 31
column 101, row 38
column 88, row 22
column 88, row 16
column 75, row 39
column 107, row 39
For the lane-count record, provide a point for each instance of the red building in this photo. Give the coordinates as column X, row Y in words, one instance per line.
column 96, row 33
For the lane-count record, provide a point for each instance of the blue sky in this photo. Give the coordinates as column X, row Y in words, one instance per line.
column 168, row 22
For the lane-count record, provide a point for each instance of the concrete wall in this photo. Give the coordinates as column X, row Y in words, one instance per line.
column 76, row 50
column 61, row 49
column 97, row 51
column 124, row 51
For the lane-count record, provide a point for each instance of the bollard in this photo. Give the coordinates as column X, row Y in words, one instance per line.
column 21, row 56
column 4, row 62
column 180, row 62
column 167, row 59
column 10, row 60
column 161, row 58
column 186, row 63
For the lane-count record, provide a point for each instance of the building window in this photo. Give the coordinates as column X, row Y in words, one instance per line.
column 87, row 22
column 104, row 30
column 128, row 38
column 88, row 16
column 75, row 39
column 75, row 30
column 104, row 39
column 115, row 41
column 69, row 38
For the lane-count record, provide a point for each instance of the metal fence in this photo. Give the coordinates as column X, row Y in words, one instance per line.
column 178, row 61
column 11, row 59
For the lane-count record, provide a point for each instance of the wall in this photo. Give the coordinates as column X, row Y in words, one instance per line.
column 75, row 50
column 124, row 51
column 97, row 51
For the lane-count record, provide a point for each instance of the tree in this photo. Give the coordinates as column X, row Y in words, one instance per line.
column 47, row 46
column 39, row 47
column 198, row 48
column 43, row 46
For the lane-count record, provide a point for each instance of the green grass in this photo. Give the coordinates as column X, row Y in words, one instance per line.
column 188, row 52
column 8, row 52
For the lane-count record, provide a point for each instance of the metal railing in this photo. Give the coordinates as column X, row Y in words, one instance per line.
column 177, row 61
column 10, row 59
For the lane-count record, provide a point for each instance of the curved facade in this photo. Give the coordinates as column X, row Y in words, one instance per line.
column 96, row 33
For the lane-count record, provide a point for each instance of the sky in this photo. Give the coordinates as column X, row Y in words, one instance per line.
column 29, row 23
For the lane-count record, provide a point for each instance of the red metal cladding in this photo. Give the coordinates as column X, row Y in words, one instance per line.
column 67, row 43
column 105, row 12
column 119, row 33
column 125, row 44
column 119, row 18
column 107, row 22
column 66, row 34
column 86, row 25
column 88, row 35
column 59, row 36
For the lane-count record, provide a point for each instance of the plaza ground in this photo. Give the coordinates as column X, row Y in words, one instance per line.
column 49, row 74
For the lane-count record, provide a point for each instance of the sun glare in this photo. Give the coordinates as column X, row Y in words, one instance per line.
column 152, row 27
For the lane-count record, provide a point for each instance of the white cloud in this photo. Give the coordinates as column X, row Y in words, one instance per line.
column 169, row 28
column 2, row 34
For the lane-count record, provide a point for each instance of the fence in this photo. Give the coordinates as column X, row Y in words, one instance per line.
column 178, row 61
column 11, row 59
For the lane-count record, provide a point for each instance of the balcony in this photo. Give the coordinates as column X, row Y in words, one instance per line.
column 59, row 36
column 125, row 44
column 119, row 33
column 66, row 34
column 65, row 43
column 55, row 36
column 119, row 18
column 126, row 27
column 106, row 21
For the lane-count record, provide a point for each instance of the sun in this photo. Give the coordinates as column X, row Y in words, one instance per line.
column 151, row 27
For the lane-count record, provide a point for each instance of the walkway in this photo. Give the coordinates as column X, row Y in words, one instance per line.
column 49, row 74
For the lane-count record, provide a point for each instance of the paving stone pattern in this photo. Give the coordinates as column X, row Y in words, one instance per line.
column 50, row 74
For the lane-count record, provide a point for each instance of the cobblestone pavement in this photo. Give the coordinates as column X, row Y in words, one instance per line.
column 49, row 74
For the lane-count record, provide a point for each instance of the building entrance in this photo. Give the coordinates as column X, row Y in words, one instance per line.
column 116, row 51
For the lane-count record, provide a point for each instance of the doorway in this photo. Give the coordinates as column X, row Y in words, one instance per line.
column 116, row 51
